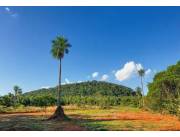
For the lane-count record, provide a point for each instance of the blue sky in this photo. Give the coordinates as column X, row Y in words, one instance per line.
column 107, row 44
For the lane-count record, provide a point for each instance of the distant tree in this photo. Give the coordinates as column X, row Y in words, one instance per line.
column 7, row 100
column 60, row 46
column 17, row 93
column 141, row 74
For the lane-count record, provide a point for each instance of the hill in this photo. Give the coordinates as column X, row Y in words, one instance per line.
column 89, row 88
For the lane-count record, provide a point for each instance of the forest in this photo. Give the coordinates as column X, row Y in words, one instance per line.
column 98, row 93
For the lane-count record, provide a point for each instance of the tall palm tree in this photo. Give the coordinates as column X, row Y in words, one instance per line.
column 141, row 73
column 60, row 47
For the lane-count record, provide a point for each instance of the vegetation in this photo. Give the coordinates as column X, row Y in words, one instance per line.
column 163, row 95
column 89, row 88
column 99, row 93
column 17, row 94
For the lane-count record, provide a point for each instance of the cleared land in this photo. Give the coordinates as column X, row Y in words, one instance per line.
column 81, row 119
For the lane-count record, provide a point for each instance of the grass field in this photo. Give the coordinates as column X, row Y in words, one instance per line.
column 89, row 118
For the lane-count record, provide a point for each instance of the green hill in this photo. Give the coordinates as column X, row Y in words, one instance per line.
column 89, row 88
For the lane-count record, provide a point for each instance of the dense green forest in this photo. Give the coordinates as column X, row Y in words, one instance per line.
column 90, row 88
column 164, row 91
column 98, row 93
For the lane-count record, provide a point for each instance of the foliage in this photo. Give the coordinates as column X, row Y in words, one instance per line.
column 17, row 94
column 163, row 95
column 7, row 100
column 96, row 93
column 89, row 88
column 60, row 46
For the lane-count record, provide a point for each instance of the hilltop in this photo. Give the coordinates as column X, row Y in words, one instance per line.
column 89, row 88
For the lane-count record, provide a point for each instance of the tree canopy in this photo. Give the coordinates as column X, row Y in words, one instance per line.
column 165, row 88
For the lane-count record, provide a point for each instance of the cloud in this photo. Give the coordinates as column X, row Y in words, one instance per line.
column 128, row 70
column 7, row 9
column 104, row 77
column 67, row 81
column 45, row 87
column 95, row 74
column 10, row 12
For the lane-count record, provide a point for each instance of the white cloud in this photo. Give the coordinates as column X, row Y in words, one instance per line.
column 79, row 81
column 104, row 77
column 148, row 71
column 7, row 9
column 45, row 87
column 128, row 70
column 67, row 81
column 95, row 74
column 10, row 12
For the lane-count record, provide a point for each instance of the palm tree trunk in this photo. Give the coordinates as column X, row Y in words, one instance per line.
column 142, row 91
column 59, row 113
column 59, row 85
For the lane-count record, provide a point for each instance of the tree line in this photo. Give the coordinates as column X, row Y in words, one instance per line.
column 97, row 93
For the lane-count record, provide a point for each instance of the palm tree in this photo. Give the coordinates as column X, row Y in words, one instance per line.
column 141, row 73
column 60, row 47
column 17, row 93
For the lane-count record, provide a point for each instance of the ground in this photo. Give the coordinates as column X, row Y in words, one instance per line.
column 89, row 118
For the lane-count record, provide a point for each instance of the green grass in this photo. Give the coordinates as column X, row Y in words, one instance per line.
column 20, row 109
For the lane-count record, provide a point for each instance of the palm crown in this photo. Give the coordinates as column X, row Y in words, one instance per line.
column 141, row 72
column 17, row 90
column 60, row 46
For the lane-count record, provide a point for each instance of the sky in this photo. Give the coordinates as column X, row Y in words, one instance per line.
column 108, row 44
